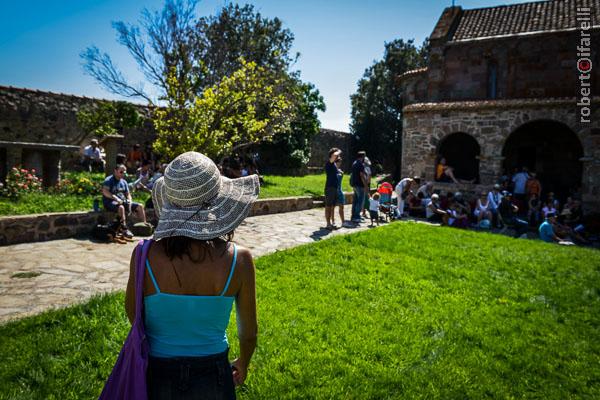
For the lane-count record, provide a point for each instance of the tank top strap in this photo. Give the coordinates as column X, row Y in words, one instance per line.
column 232, row 270
column 152, row 276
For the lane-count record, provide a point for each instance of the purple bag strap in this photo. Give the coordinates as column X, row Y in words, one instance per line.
column 140, row 258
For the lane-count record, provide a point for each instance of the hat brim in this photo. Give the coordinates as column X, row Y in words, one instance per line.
column 211, row 220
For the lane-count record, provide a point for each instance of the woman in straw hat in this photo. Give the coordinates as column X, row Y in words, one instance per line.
column 193, row 275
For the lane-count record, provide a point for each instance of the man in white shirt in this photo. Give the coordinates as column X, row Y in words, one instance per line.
column 402, row 190
column 92, row 158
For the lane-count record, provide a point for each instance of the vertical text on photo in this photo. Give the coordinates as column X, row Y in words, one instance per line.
column 584, row 63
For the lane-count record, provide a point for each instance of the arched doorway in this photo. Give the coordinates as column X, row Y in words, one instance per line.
column 461, row 152
column 552, row 150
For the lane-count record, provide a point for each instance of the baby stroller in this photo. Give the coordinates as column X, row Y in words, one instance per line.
column 386, row 207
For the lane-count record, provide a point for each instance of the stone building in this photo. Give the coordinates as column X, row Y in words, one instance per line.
column 509, row 87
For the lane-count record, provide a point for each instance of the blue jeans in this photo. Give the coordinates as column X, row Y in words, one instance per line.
column 357, row 201
column 190, row 378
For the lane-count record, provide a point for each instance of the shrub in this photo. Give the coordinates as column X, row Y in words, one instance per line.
column 79, row 185
column 20, row 181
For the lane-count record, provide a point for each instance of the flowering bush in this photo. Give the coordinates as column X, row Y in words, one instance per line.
column 20, row 181
column 80, row 185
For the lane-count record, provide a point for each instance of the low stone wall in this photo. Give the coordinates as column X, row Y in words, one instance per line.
column 52, row 226
column 41, row 227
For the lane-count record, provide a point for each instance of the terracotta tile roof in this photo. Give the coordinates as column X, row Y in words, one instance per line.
column 524, row 18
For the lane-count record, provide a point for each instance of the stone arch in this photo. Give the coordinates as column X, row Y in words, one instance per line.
column 552, row 149
column 462, row 152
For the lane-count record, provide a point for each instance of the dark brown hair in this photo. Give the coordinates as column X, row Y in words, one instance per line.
column 178, row 246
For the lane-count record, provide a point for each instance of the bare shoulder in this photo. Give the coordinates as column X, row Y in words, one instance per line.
column 244, row 256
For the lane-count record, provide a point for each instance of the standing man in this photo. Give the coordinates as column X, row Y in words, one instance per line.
column 331, row 186
column 358, row 180
column 117, row 198
column 520, row 181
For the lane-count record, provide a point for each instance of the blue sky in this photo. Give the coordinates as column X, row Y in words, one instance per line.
column 40, row 41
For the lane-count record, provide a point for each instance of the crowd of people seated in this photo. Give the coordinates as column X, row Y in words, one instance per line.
column 520, row 211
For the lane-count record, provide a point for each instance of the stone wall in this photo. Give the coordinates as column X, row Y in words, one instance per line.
column 41, row 227
column 490, row 123
column 534, row 66
column 44, row 117
column 540, row 65
column 325, row 140
column 52, row 226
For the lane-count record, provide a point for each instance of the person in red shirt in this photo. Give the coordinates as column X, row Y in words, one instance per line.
column 533, row 186
column 134, row 157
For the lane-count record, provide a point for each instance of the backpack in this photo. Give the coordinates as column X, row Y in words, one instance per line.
column 106, row 232
column 142, row 229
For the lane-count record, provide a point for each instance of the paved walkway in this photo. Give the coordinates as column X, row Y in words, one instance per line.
column 35, row 277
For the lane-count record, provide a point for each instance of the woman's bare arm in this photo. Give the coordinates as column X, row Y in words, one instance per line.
column 130, row 291
column 246, row 315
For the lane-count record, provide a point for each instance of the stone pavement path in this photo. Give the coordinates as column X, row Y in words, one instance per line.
column 35, row 277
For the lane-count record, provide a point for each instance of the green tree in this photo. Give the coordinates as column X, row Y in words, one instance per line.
column 290, row 150
column 239, row 111
column 182, row 57
column 239, row 32
column 108, row 118
column 377, row 104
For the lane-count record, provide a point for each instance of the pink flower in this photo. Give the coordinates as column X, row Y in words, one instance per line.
column 33, row 170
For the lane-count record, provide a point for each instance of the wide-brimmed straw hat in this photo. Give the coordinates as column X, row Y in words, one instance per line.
column 192, row 199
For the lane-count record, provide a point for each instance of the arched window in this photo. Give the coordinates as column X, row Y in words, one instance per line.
column 460, row 151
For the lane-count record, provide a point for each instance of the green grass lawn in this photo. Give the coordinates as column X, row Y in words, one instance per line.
column 403, row 311
column 273, row 186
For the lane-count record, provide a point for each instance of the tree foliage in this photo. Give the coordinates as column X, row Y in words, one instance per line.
column 377, row 103
column 290, row 150
column 108, row 118
column 239, row 32
column 186, row 59
column 240, row 110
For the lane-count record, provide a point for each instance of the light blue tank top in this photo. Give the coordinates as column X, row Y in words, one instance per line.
column 187, row 325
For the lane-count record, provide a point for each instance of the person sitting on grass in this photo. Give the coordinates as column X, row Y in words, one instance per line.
column 462, row 204
column 415, row 205
column 374, row 208
column 548, row 208
column 117, row 198
column 546, row 229
column 507, row 215
column 434, row 213
column 533, row 211
column 483, row 208
column 457, row 217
